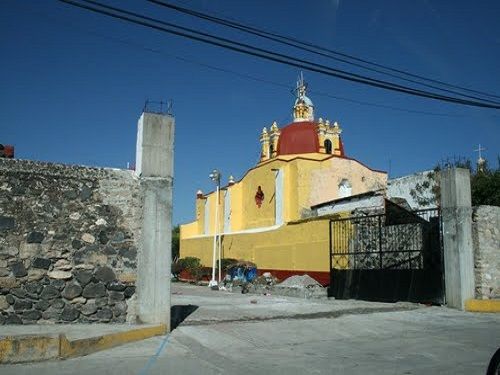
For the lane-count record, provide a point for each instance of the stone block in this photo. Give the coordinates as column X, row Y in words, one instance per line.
column 32, row 315
column 61, row 275
column 89, row 308
column 119, row 308
column 21, row 304
column 129, row 253
column 83, row 276
column 88, row 238
column 75, row 216
column 8, row 282
column 117, row 286
column 129, row 291
column 58, row 304
column 29, row 250
column 7, row 223
column 69, row 313
column 35, row 237
column 42, row 305
column 127, row 277
column 42, row 263
column 76, row 244
column 18, row 292
column 104, row 314
column 4, row 271
column 18, row 269
column 105, row 274
column 109, row 250
column 36, row 274
column 50, row 292
column 7, row 252
column 93, row 290
column 58, row 283
column 13, row 319
column 4, row 304
column 63, row 265
column 116, row 296
column 72, row 290
column 85, row 193
column 33, row 288
column 78, row 300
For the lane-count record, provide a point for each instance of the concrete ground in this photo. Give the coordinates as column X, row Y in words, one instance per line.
column 235, row 334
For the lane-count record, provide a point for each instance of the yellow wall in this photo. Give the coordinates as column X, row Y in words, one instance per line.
column 301, row 246
column 309, row 179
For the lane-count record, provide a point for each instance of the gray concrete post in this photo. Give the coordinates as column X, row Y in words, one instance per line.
column 154, row 167
column 457, row 236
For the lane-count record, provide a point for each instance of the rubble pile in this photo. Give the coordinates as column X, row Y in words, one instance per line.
column 296, row 281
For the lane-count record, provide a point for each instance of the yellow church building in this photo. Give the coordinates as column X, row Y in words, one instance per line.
column 265, row 217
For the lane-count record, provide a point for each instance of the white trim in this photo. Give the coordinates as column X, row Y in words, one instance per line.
column 244, row 231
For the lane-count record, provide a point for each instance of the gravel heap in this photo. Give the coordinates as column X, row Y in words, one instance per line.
column 296, row 281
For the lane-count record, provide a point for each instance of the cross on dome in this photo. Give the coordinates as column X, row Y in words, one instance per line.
column 303, row 109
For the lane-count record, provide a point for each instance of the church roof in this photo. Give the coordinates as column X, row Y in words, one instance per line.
column 299, row 138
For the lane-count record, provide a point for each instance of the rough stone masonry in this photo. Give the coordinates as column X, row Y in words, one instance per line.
column 68, row 243
column 486, row 240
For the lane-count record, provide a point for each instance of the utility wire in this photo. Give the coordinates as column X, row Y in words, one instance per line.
column 249, row 77
column 268, row 55
column 225, row 40
column 313, row 48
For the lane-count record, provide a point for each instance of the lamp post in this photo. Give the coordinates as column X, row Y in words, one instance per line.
column 215, row 177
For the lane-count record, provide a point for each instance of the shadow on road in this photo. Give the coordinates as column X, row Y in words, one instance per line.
column 180, row 312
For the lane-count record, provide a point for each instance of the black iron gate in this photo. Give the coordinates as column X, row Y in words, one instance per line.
column 389, row 257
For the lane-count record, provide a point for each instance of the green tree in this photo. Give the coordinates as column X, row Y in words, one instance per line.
column 175, row 242
column 485, row 185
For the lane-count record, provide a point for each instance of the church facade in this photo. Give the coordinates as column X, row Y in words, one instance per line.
column 265, row 217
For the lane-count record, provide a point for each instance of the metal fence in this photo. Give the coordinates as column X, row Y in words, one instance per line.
column 369, row 251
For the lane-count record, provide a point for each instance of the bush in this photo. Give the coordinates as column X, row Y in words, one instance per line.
column 190, row 264
column 227, row 263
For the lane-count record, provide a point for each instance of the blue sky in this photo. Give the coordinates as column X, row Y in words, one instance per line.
column 73, row 83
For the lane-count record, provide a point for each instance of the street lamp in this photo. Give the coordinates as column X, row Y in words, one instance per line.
column 215, row 177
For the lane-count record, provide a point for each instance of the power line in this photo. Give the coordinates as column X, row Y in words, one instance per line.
column 336, row 72
column 265, row 81
column 236, row 73
column 302, row 46
column 314, row 48
column 269, row 55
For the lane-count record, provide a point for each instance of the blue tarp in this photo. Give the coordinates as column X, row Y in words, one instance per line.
column 247, row 274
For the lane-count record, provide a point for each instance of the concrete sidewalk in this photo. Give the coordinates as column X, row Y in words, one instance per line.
column 31, row 343
column 235, row 333
column 221, row 306
column 192, row 305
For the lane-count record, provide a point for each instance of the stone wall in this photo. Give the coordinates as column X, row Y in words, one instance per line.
column 486, row 241
column 418, row 190
column 402, row 246
column 69, row 238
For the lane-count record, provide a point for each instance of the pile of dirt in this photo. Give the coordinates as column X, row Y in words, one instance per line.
column 296, row 281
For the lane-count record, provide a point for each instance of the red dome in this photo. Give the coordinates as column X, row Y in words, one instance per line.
column 298, row 138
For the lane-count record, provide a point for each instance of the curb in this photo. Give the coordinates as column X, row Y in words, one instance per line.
column 35, row 348
column 483, row 305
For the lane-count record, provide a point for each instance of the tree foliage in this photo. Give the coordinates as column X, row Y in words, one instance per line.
column 175, row 242
column 485, row 185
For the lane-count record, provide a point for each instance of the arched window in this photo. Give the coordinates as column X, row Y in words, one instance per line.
column 345, row 188
column 328, row 146
column 271, row 149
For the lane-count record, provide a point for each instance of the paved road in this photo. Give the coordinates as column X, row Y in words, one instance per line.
column 412, row 340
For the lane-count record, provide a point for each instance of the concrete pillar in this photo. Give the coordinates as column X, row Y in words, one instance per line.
column 154, row 167
column 457, row 236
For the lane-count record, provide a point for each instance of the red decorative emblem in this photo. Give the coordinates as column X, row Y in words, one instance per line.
column 259, row 197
